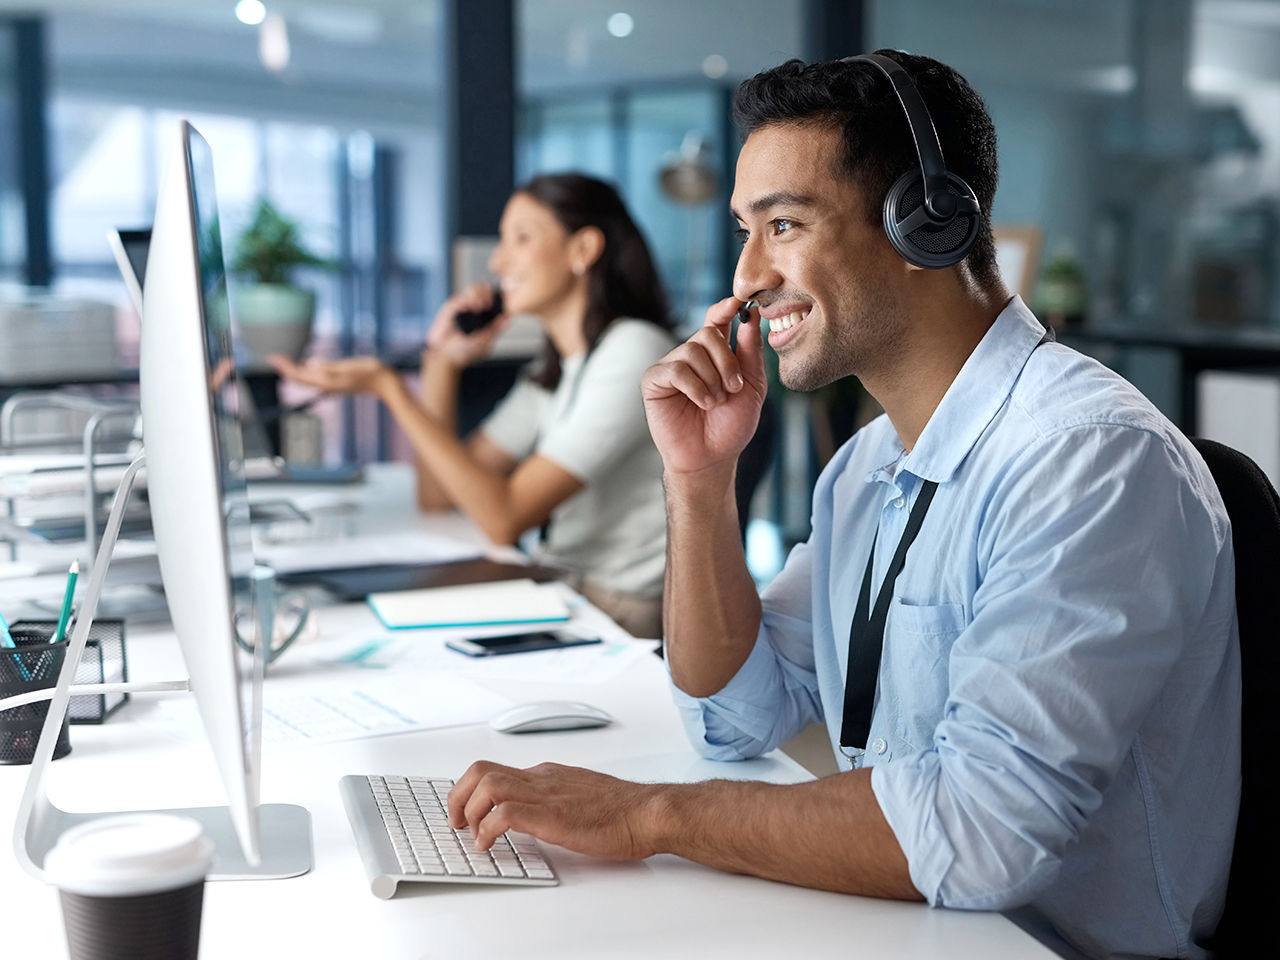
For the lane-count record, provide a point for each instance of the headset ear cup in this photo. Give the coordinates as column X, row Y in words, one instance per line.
column 923, row 241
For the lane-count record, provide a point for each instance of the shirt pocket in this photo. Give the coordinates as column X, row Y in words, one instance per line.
column 919, row 638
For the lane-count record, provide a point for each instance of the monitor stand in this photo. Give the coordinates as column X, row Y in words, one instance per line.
column 285, row 828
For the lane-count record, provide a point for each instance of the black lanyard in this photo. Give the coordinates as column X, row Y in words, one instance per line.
column 866, row 634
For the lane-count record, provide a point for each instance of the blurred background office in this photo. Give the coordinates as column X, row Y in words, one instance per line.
column 1137, row 210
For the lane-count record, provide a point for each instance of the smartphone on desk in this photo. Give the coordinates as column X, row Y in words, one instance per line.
column 518, row 643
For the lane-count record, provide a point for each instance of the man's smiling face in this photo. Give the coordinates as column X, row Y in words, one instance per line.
column 820, row 270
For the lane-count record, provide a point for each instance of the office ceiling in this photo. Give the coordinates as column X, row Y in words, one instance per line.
column 563, row 42
column 359, row 50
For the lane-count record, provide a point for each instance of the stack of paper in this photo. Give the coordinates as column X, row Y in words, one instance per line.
column 473, row 605
column 363, row 551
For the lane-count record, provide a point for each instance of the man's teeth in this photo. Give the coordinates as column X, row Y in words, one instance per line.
column 777, row 324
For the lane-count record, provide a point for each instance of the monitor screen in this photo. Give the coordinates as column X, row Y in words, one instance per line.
column 225, row 393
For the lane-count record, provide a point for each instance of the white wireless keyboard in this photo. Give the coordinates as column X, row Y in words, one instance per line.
column 401, row 826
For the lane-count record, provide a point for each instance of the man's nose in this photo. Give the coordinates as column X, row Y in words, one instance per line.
column 755, row 273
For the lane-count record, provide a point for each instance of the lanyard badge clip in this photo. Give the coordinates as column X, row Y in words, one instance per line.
column 854, row 755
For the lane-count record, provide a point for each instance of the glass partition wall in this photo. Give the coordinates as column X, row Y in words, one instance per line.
column 1140, row 152
column 628, row 136
column 343, row 137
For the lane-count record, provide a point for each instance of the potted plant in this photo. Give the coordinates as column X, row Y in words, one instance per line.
column 274, row 316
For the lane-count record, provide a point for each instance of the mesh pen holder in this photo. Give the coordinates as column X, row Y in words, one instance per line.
column 33, row 664
column 103, row 662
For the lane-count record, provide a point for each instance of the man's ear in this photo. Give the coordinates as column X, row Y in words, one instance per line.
column 585, row 247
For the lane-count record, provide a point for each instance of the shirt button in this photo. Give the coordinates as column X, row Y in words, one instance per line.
column 878, row 746
column 900, row 502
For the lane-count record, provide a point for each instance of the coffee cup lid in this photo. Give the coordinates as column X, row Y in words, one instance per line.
column 130, row 854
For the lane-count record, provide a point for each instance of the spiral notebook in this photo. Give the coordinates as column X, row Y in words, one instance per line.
column 513, row 602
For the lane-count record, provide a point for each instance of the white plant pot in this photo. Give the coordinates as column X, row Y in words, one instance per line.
column 274, row 318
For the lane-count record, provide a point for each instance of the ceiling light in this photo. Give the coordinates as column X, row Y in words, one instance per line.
column 252, row 12
column 621, row 24
column 273, row 43
column 715, row 66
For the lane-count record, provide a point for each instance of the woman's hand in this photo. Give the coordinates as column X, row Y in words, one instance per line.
column 352, row 375
column 460, row 349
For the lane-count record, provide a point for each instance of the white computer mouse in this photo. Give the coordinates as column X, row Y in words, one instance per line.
column 545, row 715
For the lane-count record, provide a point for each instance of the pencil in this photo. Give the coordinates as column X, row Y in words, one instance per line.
column 72, row 572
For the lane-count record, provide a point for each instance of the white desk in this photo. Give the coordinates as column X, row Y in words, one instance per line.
column 663, row 906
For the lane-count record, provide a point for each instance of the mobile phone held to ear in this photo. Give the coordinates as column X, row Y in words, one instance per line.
column 518, row 643
column 469, row 321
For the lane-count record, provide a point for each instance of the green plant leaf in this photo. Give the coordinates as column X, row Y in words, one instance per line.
column 270, row 248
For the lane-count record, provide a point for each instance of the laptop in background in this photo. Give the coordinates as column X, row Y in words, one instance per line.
column 130, row 247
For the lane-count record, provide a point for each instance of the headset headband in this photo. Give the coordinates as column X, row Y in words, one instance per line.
column 938, row 200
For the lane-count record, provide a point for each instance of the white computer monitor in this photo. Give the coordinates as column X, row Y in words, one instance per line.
column 197, row 492
column 195, row 475
column 200, row 516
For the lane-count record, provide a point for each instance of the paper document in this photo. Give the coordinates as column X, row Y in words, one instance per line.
column 476, row 604
column 591, row 664
column 370, row 707
column 363, row 551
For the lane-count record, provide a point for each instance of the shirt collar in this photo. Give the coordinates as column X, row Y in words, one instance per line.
column 978, row 392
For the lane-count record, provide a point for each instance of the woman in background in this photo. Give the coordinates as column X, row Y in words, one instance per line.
column 567, row 450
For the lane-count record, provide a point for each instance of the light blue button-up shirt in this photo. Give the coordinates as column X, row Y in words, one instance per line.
column 1057, row 717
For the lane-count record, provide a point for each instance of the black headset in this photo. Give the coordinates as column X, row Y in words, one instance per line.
column 931, row 215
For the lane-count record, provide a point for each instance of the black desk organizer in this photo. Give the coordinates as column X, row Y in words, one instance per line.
column 33, row 663
column 104, row 661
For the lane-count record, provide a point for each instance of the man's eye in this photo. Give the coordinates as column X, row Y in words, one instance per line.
column 782, row 225
column 742, row 235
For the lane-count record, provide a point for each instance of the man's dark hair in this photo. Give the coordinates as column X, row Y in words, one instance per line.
column 878, row 146
column 623, row 281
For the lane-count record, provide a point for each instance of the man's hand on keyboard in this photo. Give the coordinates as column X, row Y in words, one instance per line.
column 579, row 809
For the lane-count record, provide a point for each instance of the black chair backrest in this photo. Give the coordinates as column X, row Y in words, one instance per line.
column 1253, row 892
column 755, row 460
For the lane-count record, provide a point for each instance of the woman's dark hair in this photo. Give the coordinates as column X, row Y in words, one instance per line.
column 878, row 145
column 623, row 281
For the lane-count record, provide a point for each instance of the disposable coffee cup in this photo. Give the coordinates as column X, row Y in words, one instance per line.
column 132, row 886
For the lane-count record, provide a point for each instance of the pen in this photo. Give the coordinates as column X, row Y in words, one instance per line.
column 72, row 572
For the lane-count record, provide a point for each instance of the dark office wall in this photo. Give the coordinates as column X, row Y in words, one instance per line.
column 833, row 28
column 29, row 85
column 480, row 137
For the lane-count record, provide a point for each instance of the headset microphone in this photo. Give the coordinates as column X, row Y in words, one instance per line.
column 930, row 215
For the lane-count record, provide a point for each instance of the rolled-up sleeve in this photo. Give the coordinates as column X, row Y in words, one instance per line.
column 774, row 694
column 1090, row 584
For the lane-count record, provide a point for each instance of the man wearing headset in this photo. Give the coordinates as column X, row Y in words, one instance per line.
column 1015, row 613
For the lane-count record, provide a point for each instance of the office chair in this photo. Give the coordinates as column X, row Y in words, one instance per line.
column 754, row 462
column 1253, row 889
